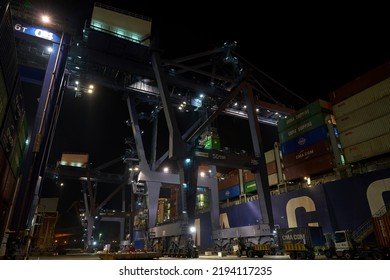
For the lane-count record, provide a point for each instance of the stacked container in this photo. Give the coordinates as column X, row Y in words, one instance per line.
column 249, row 178
column 13, row 123
column 229, row 187
column 305, row 143
column 362, row 112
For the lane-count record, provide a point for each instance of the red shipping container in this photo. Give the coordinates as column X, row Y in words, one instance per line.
column 310, row 167
column 382, row 230
column 248, row 176
column 361, row 83
column 317, row 149
column 271, row 167
column 231, row 180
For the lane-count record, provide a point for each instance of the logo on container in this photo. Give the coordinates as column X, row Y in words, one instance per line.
column 302, row 141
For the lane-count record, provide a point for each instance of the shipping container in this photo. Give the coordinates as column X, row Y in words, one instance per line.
column 303, row 126
column 273, row 179
column 368, row 149
column 16, row 160
column 229, row 193
column 9, row 189
column 365, row 132
column 310, row 167
column 317, row 149
column 121, row 24
column 3, row 98
column 269, row 156
column 271, row 167
column 17, row 105
column 362, row 99
column 305, row 140
column 23, row 133
column 8, row 51
column 250, row 186
column 361, row 83
column 382, row 230
column 4, row 169
column 365, row 114
column 229, row 180
column 310, row 110
column 8, row 135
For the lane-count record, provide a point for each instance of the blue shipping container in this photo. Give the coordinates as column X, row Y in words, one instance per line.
column 305, row 140
column 230, row 192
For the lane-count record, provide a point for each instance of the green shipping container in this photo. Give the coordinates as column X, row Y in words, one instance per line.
column 303, row 126
column 304, row 113
column 250, row 186
column 16, row 160
column 212, row 143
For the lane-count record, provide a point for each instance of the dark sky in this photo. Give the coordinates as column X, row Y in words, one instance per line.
column 311, row 49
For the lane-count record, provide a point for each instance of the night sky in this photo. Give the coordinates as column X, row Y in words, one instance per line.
column 309, row 49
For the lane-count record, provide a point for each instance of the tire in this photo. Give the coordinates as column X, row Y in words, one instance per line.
column 301, row 255
column 376, row 255
column 348, row 255
column 293, row 255
column 249, row 254
column 328, row 254
column 260, row 254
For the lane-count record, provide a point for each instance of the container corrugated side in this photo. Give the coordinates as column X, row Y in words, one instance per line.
column 361, row 83
column 231, row 192
column 362, row 99
column 303, row 126
column 16, row 160
column 310, row 167
column 4, row 169
column 317, row 149
column 382, row 230
column 368, row 149
column 8, row 134
column 306, row 112
column 271, row 167
column 269, row 156
column 273, row 179
column 305, row 140
column 9, row 188
column 365, row 131
column 227, row 182
column 365, row 114
column 3, row 98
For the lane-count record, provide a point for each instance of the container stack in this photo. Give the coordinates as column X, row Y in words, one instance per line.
column 249, row 178
column 13, row 123
column 305, row 143
column 362, row 112
column 229, row 187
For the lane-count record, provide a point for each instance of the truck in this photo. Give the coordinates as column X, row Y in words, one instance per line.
column 243, row 246
column 369, row 241
column 301, row 242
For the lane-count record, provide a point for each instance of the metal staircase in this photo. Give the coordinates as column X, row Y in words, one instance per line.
column 363, row 231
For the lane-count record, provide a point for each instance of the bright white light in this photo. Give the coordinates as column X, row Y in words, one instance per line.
column 91, row 86
column 77, row 82
column 27, row 141
column 202, row 174
column 166, row 169
column 62, row 184
column 192, row 229
column 90, row 91
column 50, row 49
column 188, row 160
column 45, row 19
column 201, row 95
column 94, row 243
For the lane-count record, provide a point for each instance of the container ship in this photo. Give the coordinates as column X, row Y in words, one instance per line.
column 330, row 169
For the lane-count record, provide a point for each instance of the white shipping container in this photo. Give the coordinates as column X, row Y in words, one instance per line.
column 362, row 98
column 273, row 179
column 365, row 114
column 269, row 156
column 365, row 132
column 368, row 149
